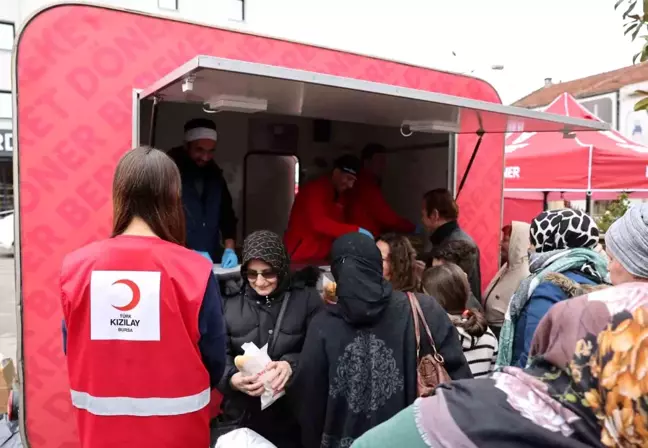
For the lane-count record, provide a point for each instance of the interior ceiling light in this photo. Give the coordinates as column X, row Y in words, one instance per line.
column 430, row 126
column 243, row 104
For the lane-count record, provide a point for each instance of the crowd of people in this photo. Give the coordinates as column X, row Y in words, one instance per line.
column 550, row 353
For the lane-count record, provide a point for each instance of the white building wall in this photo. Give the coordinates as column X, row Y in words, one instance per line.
column 633, row 124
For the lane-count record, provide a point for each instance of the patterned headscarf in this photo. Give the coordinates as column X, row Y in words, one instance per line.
column 563, row 229
column 266, row 246
column 598, row 346
column 587, row 383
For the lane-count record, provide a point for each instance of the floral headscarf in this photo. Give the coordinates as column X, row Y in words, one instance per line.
column 606, row 380
column 586, row 385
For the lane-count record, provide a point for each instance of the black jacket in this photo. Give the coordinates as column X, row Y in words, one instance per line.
column 250, row 319
column 452, row 232
column 358, row 365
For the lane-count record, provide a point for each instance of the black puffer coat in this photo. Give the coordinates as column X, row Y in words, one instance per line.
column 252, row 318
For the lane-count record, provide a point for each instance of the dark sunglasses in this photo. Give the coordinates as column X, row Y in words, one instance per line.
column 267, row 274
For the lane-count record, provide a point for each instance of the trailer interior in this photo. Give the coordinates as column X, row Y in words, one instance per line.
column 279, row 128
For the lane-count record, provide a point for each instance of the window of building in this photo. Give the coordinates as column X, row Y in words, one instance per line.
column 171, row 5
column 5, row 105
column 236, row 10
column 7, row 35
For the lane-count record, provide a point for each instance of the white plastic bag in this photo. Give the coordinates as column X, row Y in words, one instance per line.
column 256, row 362
column 243, row 438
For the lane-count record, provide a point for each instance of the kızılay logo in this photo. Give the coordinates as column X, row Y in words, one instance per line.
column 125, row 321
column 136, row 295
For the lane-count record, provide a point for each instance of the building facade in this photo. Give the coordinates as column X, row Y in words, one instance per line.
column 7, row 34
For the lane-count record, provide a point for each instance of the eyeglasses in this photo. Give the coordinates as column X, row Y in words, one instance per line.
column 254, row 275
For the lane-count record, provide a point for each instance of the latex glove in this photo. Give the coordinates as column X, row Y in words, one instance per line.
column 366, row 232
column 206, row 255
column 229, row 259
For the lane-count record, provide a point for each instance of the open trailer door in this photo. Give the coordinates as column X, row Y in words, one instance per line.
column 225, row 85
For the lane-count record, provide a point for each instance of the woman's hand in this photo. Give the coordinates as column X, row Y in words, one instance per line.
column 280, row 372
column 250, row 385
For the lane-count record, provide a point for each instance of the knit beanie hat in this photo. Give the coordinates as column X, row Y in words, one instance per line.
column 627, row 240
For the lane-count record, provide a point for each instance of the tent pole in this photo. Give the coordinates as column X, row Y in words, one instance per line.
column 545, row 200
column 588, row 203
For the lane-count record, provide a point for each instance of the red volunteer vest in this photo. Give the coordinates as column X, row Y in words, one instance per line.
column 137, row 378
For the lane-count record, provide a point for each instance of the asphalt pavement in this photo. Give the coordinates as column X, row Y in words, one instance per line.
column 7, row 307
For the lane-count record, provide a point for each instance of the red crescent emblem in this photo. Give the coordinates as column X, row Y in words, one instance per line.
column 136, row 295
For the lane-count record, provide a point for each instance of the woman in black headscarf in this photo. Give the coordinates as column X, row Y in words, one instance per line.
column 358, row 365
column 251, row 316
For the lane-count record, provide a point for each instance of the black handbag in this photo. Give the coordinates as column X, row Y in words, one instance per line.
column 225, row 423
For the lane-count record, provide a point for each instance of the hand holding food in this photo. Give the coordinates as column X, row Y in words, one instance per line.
column 330, row 292
column 240, row 360
column 247, row 384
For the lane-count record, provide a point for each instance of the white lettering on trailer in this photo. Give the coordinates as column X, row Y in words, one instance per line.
column 6, row 141
column 512, row 172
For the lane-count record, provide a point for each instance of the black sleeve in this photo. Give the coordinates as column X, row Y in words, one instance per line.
column 212, row 332
column 310, row 387
column 446, row 338
column 228, row 220
column 314, row 304
column 224, row 385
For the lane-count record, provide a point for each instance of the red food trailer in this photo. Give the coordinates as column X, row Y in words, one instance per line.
column 91, row 82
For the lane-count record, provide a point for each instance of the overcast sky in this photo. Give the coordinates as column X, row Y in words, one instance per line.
column 561, row 39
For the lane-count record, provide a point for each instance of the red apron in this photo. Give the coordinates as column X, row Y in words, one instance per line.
column 137, row 378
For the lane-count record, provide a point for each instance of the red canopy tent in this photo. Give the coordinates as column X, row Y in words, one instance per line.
column 553, row 166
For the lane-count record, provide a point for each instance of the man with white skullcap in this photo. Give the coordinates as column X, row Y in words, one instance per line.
column 626, row 244
column 209, row 213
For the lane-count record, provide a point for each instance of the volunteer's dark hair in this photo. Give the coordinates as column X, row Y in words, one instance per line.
column 448, row 284
column 147, row 185
column 442, row 201
column 402, row 258
column 460, row 252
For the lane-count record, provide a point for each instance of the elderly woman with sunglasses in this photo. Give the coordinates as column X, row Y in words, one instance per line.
column 251, row 316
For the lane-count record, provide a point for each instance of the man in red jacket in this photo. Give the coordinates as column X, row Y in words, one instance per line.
column 367, row 206
column 317, row 217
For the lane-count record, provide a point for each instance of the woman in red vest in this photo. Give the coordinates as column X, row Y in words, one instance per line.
column 143, row 329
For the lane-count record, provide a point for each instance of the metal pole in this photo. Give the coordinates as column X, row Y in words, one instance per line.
column 545, row 200
column 154, row 112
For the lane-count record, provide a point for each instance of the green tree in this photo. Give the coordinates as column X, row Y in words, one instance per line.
column 614, row 211
column 635, row 23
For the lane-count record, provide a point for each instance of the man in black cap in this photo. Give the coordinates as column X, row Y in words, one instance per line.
column 207, row 202
column 317, row 217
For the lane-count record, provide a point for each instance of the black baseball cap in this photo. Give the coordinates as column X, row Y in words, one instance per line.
column 348, row 163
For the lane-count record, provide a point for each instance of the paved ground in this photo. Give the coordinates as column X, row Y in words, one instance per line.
column 7, row 307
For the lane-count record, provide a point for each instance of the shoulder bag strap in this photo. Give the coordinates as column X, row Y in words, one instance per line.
column 419, row 311
column 275, row 332
column 417, row 330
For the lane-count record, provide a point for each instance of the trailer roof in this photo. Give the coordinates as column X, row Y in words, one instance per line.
column 315, row 95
